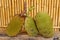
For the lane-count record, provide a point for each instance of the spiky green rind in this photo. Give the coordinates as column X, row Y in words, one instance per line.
column 14, row 27
column 30, row 27
column 44, row 24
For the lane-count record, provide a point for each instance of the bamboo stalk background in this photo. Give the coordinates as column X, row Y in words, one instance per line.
column 9, row 8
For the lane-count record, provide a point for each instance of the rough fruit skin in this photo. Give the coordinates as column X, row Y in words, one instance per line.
column 44, row 24
column 14, row 27
column 30, row 27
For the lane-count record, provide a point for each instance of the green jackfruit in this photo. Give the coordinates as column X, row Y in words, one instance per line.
column 14, row 27
column 44, row 24
column 30, row 27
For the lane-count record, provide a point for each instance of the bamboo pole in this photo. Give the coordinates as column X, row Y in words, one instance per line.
column 54, row 12
column 59, row 12
column 35, row 8
column 2, row 15
column 0, row 12
column 13, row 6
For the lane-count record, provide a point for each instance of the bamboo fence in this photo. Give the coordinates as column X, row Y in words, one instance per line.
column 9, row 8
